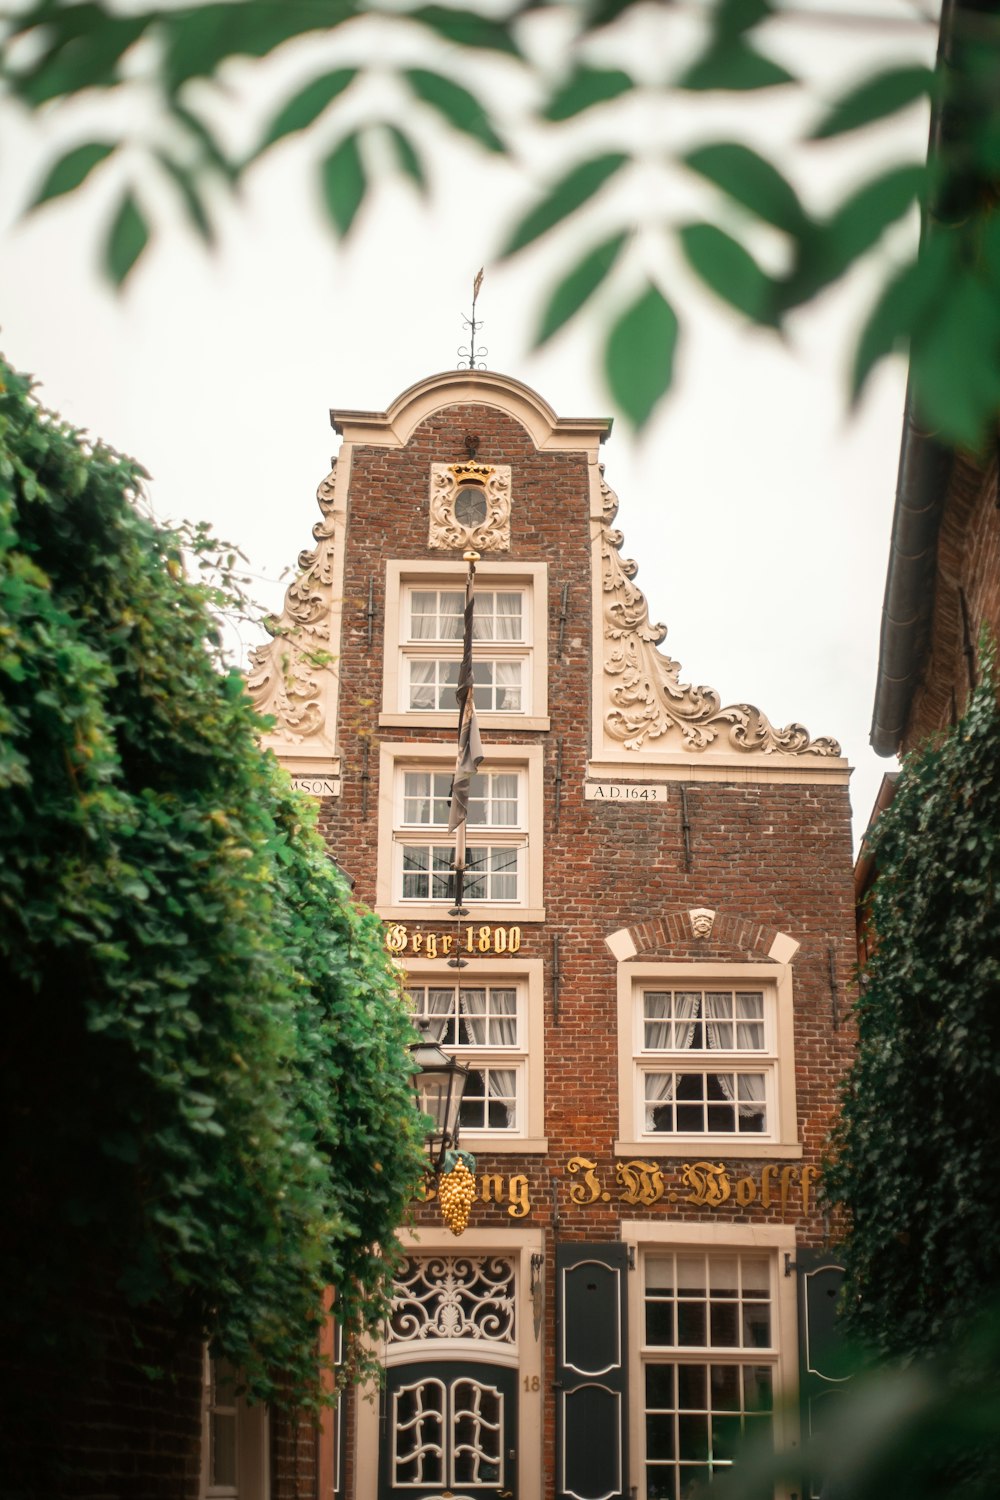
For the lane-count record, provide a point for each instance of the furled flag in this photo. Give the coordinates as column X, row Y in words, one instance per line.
column 470, row 746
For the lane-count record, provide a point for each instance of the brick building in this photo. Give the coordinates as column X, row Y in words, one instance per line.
column 654, row 876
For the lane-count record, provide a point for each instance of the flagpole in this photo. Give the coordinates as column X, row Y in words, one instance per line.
column 469, row 753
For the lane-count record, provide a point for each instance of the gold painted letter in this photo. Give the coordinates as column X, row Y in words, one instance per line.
column 517, row 1191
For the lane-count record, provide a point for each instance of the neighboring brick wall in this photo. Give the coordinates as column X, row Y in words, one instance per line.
column 968, row 568
column 768, row 858
column 294, row 1440
column 91, row 1424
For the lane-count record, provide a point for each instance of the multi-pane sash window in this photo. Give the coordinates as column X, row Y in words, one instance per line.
column 497, row 685
column 439, row 615
column 705, row 1067
column 222, row 1428
column 709, row 1363
column 494, row 799
column 433, row 634
column 478, row 1021
column 491, row 873
column 493, row 865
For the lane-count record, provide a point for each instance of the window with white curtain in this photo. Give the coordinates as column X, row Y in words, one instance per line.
column 706, row 1062
column 496, row 835
column 484, row 1025
column 432, row 631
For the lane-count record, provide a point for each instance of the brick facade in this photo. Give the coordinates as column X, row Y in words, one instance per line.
column 759, row 838
column 116, row 1419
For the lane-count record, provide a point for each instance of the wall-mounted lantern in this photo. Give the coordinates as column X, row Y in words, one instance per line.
column 438, row 1086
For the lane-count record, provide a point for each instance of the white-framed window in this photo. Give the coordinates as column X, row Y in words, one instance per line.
column 485, row 1025
column 712, row 1349
column 424, row 623
column 493, row 858
column 706, row 1057
column 223, row 1470
column 503, row 843
column 234, row 1446
column 710, row 1361
column 490, row 1015
column 432, row 636
column 704, row 1060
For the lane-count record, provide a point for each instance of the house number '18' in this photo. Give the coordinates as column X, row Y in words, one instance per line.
column 532, row 1383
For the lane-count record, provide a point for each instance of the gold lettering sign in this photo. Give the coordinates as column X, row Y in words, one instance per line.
column 419, row 943
column 495, row 1187
column 709, row 1184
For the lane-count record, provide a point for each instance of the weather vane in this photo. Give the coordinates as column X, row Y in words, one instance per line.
column 472, row 358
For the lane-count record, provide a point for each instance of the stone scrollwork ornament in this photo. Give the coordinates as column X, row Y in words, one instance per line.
column 470, row 507
column 647, row 698
column 286, row 675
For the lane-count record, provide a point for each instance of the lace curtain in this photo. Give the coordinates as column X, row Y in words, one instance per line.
column 502, row 623
column 502, row 1022
column 684, row 1011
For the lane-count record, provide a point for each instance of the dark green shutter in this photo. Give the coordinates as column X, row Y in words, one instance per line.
column 591, row 1372
column 824, row 1365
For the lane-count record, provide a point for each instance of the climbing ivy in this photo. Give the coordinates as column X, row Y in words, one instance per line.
column 918, row 1142
column 204, row 1087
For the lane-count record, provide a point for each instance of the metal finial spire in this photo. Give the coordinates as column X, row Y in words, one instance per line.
column 472, row 358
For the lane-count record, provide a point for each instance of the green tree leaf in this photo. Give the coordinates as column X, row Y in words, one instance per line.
column 874, row 99
column 861, row 220
column 127, row 238
column 407, row 156
column 577, row 286
column 186, row 184
column 828, row 250
column 344, row 182
column 82, row 48
column 583, row 89
column 735, row 68
column 735, row 18
column 600, row 13
column 209, row 149
column 299, row 112
column 905, row 298
column 569, row 193
column 639, row 355
column 468, row 28
column 726, row 267
column 456, row 106
column 749, row 179
column 199, row 38
column 955, row 361
column 67, row 174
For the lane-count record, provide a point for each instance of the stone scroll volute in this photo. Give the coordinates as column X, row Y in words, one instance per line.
column 289, row 676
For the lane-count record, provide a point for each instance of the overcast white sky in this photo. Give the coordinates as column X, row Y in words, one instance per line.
column 758, row 511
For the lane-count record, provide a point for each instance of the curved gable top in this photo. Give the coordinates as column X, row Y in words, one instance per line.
column 393, row 428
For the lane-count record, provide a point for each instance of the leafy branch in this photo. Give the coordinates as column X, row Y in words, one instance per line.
column 943, row 303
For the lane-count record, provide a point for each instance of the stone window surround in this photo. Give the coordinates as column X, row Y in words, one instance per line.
column 528, row 975
column 532, row 576
column 776, row 979
column 395, row 756
column 425, row 1240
